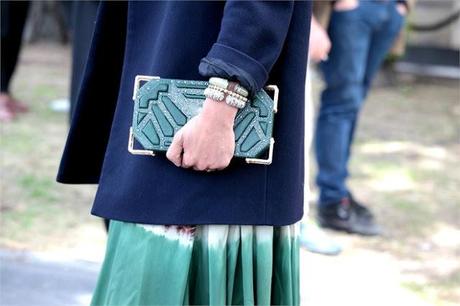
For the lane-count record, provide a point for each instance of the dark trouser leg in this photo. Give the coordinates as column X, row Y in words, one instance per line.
column 13, row 18
column 340, row 101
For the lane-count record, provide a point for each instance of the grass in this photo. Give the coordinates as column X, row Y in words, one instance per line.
column 36, row 212
column 39, row 189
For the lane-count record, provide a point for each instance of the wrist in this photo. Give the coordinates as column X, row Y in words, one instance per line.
column 219, row 112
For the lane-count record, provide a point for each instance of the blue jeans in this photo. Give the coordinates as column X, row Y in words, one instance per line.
column 360, row 38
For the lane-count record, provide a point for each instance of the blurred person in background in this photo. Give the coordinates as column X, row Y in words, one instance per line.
column 312, row 238
column 361, row 34
column 13, row 19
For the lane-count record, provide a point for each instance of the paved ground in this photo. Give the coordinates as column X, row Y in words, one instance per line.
column 35, row 280
column 352, row 279
column 44, row 280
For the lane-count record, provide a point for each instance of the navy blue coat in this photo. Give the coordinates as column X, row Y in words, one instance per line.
column 256, row 43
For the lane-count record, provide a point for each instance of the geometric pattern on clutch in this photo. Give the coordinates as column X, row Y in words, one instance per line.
column 163, row 106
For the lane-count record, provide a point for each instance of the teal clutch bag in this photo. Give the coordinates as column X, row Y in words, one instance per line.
column 163, row 106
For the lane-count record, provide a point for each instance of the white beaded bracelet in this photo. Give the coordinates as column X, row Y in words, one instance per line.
column 235, row 102
column 219, row 96
column 229, row 92
column 214, row 94
column 241, row 90
column 219, row 82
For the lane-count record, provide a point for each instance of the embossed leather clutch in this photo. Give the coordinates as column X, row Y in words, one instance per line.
column 163, row 106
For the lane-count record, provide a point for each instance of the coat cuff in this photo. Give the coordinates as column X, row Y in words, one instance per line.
column 227, row 62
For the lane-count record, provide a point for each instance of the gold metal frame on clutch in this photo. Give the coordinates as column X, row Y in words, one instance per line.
column 137, row 83
column 260, row 161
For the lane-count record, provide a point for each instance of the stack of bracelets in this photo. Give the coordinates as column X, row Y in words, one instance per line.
column 221, row 89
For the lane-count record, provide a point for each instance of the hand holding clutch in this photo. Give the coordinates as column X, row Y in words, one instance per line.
column 207, row 141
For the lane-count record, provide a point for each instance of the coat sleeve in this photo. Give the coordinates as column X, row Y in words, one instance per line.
column 250, row 41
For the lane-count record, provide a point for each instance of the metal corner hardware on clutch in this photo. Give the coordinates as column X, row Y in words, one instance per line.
column 138, row 80
column 163, row 106
column 136, row 151
column 266, row 161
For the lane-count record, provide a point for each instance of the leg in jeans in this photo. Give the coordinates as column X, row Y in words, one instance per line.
column 382, row 40
column 385, row 30
column 359, row 44
column 340, row 101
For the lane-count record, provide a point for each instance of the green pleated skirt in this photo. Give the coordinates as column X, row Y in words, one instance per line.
column 202, row 265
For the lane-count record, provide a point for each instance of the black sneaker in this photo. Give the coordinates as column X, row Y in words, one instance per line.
column 349, row 216
column 360, row 208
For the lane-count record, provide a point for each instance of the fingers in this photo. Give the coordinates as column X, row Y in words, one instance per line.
column 187, row 161
column 203, row 165
column 190, row 161
column 198, row 147
column 174, row 152
column 201, row 168
column 223, row 166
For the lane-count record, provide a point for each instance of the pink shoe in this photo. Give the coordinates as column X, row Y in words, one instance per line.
column 7, row 114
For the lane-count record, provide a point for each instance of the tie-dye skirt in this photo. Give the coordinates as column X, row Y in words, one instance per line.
column 201, row 265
